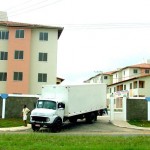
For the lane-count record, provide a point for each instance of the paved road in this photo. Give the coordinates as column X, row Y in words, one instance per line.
column 101, row 127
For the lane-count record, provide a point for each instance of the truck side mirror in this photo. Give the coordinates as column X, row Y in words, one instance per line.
column 61, row 105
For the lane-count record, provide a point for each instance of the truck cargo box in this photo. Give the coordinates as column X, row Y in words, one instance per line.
column 78, row 99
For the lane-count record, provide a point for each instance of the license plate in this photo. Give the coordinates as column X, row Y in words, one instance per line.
column 37, row 125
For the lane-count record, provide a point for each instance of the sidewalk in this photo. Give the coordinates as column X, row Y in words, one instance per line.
column 125, row 124
column 21, row 128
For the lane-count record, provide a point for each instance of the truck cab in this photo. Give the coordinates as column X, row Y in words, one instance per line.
column 47, row 113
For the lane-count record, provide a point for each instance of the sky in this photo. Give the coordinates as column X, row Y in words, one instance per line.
column 98, row 35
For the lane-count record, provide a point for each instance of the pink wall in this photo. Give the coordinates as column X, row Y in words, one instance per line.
column 15, row 65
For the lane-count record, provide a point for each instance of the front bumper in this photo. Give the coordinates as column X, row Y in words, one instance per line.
column 40, row 124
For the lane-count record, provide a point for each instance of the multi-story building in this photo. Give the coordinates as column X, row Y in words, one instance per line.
column 134, row 81
column 28, row 57
column 101, row 77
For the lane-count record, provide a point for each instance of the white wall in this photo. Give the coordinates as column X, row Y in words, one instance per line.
column 50, row 66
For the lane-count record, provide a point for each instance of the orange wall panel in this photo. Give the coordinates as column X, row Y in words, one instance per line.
column 15, row 65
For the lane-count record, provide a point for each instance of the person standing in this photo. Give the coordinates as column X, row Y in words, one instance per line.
column 25, row 112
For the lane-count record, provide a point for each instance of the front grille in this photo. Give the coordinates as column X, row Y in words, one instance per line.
column 40, row 119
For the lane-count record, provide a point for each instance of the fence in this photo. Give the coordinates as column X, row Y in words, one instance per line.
column 133, row 108
column 12, row 105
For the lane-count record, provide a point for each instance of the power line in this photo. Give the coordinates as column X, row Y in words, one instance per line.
column 28, row 6
column 32, row 7
column 22, row 3
column 28, row 10
column 106, row 25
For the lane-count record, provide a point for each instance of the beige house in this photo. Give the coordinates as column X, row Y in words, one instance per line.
column 134, row 81
column 105, row 77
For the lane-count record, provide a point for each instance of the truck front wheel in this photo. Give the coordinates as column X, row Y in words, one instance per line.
column 34, row 128
column 57, row 125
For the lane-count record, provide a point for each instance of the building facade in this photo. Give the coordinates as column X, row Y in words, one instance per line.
column 103, row 77
column 133, row 81
column 28, row 57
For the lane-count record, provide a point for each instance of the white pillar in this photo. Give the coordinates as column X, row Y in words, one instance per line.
column 3, row 108
column 111, row 108
column 148, row 110
column 124, row 108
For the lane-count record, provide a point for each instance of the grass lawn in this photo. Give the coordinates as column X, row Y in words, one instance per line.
column 139, row 123
column 49, row 141
column 41, row 141
column 12, row 122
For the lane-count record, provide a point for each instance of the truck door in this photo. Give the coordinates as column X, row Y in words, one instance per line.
column 61, row 110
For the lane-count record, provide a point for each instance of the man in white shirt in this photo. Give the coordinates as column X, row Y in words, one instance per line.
column 25, row 112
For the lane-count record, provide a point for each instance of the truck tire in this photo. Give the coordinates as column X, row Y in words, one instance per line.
column 91, row 118
column 73, row 119
column 57, row 125
column 95, row 117
column 34, row 128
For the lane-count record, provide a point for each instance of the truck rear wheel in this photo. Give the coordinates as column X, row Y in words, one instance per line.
column 73, row 119
column 90, row 118
column 57, row 125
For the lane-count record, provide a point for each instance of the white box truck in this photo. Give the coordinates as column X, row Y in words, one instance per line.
column 59, row 103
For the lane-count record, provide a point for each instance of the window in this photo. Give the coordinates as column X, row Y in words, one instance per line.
column 18, row 76
column 135, row 71
column 135, row 84
column 42, row 56
column 124, row 87
column 141, row 84
column 147, row 71
column 42, row 77
column 3, row 55
column 46, row 104
column 19, row 33
column 110, row 90
column 43, row 36
column 124, row 72
column 3, row 76
column 18, row 54
column 4, row 35
column 105, row 77
column 130, row 85
column 114, row 89
column 120, row 87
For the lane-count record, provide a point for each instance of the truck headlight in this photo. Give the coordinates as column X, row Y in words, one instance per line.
column 47, row 119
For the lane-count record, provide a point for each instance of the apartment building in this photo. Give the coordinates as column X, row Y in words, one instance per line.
column 134, row 81
column 28, row 57
column 102, row 77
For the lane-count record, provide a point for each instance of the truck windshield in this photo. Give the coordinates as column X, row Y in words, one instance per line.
column 46, row 104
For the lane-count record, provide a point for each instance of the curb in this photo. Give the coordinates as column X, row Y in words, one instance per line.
column 125, row 124
column 21, row 128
